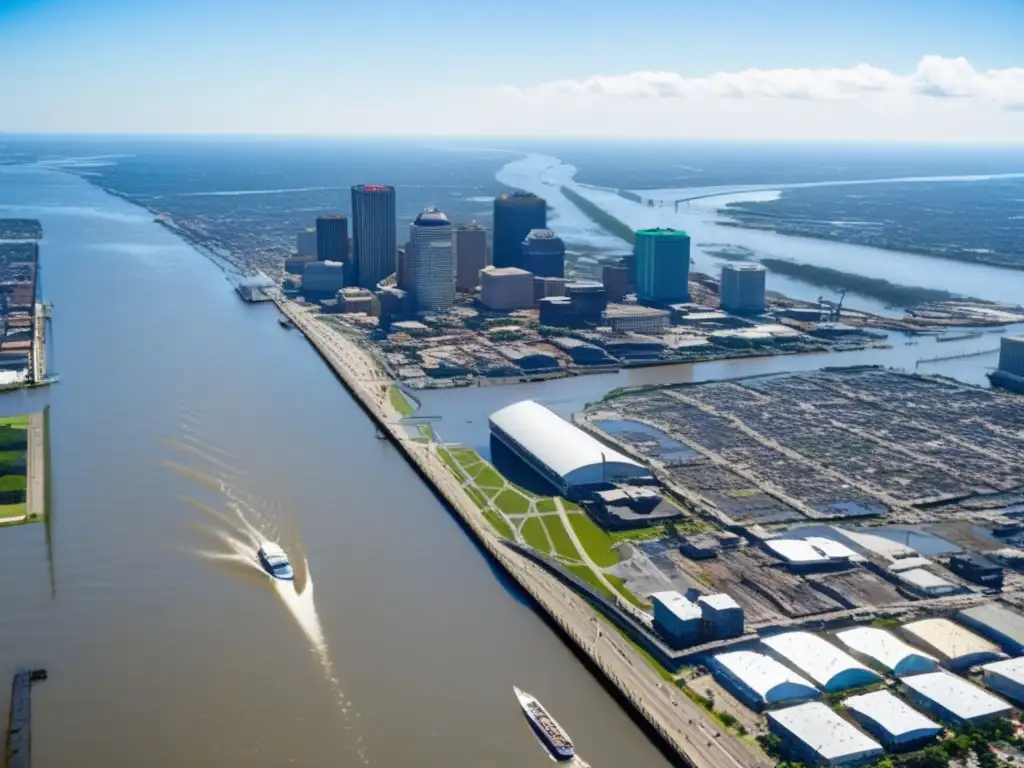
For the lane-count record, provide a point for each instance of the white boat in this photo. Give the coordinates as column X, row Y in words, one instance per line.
column 275, row 561
column 550, row 732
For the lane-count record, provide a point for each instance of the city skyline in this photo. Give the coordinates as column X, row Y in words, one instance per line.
column 876, row 71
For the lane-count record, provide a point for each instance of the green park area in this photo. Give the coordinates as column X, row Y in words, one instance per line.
column 550, row 525
column 400, row 402
column 13, row 471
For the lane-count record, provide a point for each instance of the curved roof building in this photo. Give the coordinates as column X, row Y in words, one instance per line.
column 890, row 719
column 561, row 452
column 955, row 646
column 762, row 679
column 887, row 650
column 831, row 668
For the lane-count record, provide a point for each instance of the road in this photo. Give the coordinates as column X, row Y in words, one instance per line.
column 694, row 734
column 35, row 494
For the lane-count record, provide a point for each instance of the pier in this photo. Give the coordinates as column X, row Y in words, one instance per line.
column 682, row 729
column 19, row 727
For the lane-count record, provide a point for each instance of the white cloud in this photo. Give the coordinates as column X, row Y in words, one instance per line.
column 935, row 76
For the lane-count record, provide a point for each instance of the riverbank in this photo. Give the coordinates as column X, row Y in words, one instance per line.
column 679, row 724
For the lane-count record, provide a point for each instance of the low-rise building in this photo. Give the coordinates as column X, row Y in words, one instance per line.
column 813, row 733
column 887, row 651
column 622, row 318
column 394, row 301
column 583, row 352
column 676, row 618
column 543, row 287
column 506, row 288
column 954, row 646
column 1006, row 677
column 721, row 617
column 527, row 357
column 358, row 300
column 955, row 700
column 896, row 724
column 829, row 667
column 977, row 568
column 635, row 346
column 996, row 622
column 926, row 583
column 759, row 680
column 323, row 278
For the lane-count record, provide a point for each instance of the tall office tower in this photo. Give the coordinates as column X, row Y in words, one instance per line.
column 543, row 254
column 374, row 239
column 305, row 243
column 742, row 288
column 332, row 238
column 430, row 262
column 515, row 214
column 616, row 282
column 470, row 243
column 662, row 266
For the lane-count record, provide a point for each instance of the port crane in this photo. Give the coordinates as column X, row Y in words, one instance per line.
column 835, row 308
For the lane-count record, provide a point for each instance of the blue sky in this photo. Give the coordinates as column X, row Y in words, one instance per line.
column 525, row 67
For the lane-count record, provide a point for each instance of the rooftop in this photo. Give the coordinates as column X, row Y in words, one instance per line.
column 518, row 198
column 827, row 665
column 373, row 188
column 964, row 700
column 770, row 680
column 897, row 717
column 950, row 640
column 742, row 266
column 541, row 234
column 922, row 579
column 504, row 271
column 431, row 216
column 678, row 605
column 888, row 650
column 1011, row 669
column 720, row 602
column 662, row 232
column 995, row 618
column 824, row 731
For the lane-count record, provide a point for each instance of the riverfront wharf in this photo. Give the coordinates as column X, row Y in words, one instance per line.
column 684, row 731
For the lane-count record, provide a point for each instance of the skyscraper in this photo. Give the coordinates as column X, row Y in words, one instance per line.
column 662, row 265
column 305, row 243
column 332, row 238
column 543, row 254
column 470, row 245
column 515, row 214
column 742, row 288
column 374, row 240
column 430, row 262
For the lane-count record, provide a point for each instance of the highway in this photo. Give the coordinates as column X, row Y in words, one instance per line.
column 699, row 740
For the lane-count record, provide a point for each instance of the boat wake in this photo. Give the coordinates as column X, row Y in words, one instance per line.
column 237, row 529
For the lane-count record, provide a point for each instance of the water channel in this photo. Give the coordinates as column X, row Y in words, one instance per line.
column 185, row 426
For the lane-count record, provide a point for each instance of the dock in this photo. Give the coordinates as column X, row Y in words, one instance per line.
column 19, row 727
column 679, row 726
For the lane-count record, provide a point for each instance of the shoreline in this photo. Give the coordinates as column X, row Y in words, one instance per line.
column 635, row 684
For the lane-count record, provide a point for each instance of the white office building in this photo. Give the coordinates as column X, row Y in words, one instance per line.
column 305, row 243
column 430, row 262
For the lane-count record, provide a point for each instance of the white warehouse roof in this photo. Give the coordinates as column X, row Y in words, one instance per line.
column 887, row 650
column 829, row 667
column 957, row 696
column 834, row 740
column 573, row 456
column 1011, row 669
column 768, row 679
column 997, row 623
column 926, row 581
column 954, row 645
column 814, row 549
column 719, row 602
column 891, row 718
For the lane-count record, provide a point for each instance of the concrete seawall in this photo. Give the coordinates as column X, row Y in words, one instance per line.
column 679, row 727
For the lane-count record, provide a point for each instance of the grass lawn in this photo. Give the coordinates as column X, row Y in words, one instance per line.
column 620, row 587
column 596, row 542
column 511, row 503
column 12, row 510
column 427, row 431
column 560, row 538
column 546, row 505
column 499, row 524
column 587, row 575
column 400, row 402
column 477, row 497
column 533, row 532
column 18, row 422
column 489, row 476
column 453, row 464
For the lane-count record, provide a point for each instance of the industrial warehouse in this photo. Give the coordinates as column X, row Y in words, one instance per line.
column 896, row 724
column 1007, row 678
column 760, row 680
column 832, row 669
column 955, row 700
column 886, row 650
column 819, row 735
column 956, row 648
column 563, row 454
column 998, row 624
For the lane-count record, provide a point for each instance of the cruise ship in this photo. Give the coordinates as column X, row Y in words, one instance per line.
column 550, row 732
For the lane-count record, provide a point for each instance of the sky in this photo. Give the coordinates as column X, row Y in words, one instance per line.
column 871, row 70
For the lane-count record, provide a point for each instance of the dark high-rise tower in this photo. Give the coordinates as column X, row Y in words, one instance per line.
column 374, row 241
column 332, row 238
column 543, row 254
column 515, row 215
